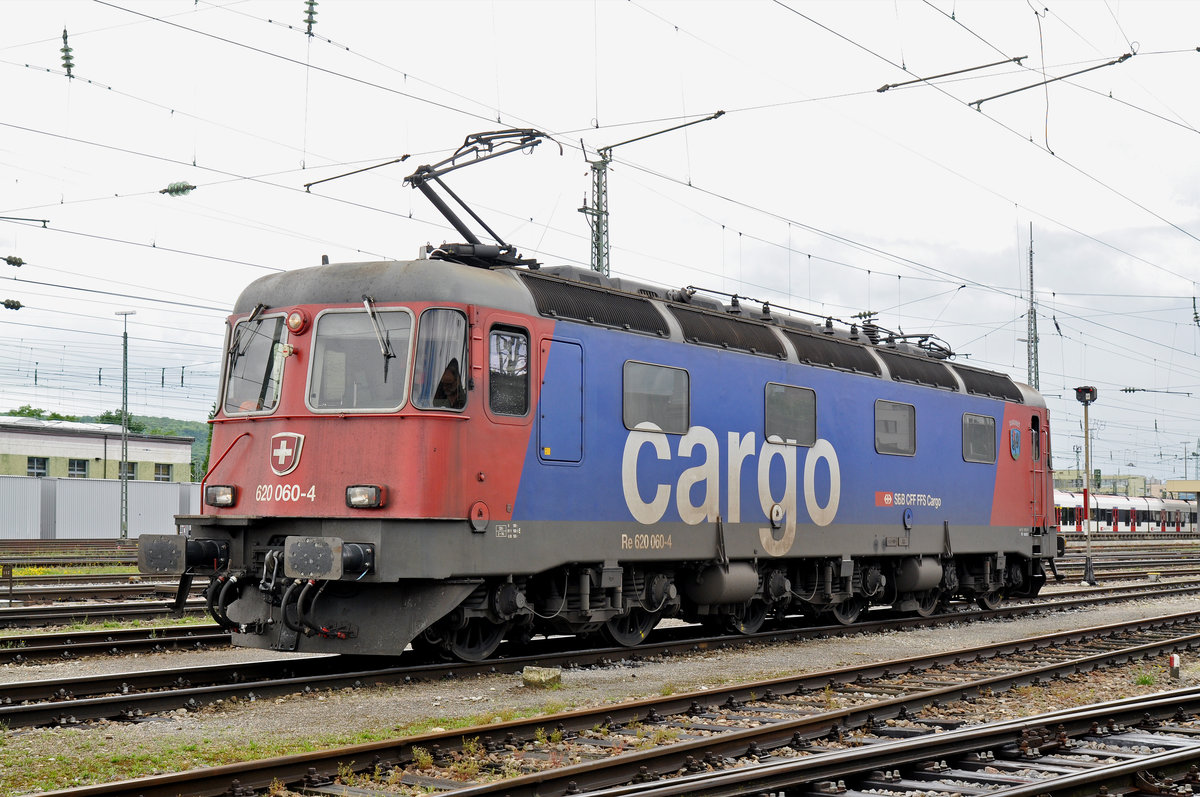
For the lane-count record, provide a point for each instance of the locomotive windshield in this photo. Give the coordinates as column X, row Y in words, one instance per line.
column 348, row 370
column 255, row 365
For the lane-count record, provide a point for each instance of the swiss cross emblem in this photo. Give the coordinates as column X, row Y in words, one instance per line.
column 285, row 452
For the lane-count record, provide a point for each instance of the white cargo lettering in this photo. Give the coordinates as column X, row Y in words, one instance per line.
column 822, row 515
column 706, row 474
column 643, row 512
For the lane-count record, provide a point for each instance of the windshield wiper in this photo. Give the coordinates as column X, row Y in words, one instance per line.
column 234, row 353
column 385, row 343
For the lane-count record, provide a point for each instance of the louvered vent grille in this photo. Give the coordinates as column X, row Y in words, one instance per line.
column 566, row 300
column 918, row 370
column 833, row 353
column 986, row 383
column 728, row 332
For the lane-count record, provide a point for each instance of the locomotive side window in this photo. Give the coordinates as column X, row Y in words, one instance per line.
column 441, row 362
column 791, row 414
column 658, row 395
column 508, row 371
column 255, row 366
column 895, row 428
column 1035, row 438
column 349, row 370
column 979, row 438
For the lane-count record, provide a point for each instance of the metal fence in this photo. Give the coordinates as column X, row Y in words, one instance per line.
column 64, row 509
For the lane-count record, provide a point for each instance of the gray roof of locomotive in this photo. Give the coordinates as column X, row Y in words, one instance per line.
column 436, row 280
column 388, row 281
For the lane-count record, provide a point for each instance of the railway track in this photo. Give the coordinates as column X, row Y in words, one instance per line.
column 93, row 592
column 66, row 645
column 113, row 642
column 1147, row 746
column 69, row 614
column 132, row 695
column 806, row 732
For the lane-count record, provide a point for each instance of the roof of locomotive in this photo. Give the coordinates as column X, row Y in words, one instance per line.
column 388, row 281
column 434, row 280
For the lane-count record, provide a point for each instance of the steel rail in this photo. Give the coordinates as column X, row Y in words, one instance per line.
column 73, row 644
column 883, row 756
column 59, row 614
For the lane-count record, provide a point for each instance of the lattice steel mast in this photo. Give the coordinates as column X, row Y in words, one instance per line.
column 1031, row 328
column 597, row 214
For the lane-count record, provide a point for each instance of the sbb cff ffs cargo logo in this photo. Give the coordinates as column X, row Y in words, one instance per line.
column 285, row 452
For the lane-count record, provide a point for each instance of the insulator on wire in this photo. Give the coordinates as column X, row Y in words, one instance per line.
column 13, row 260
column 67, row 60
column 13, row 304
column 310, row 15
column 178, row 189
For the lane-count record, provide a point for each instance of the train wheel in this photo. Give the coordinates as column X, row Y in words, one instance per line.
column 928, row 602
column 750, row 620
column 631, row 629
column 476, row 640
column 990, row 600
column 848, row 611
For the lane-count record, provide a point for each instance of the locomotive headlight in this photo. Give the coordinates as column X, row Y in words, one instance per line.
column 364, row 496
column 297, row 321
column 220, row 494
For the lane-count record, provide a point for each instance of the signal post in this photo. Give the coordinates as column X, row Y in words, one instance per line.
column 1086, row 395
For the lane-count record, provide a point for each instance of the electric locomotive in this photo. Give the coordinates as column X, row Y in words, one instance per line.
column 467, row 447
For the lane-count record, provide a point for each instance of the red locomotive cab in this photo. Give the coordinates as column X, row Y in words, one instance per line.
column 401, row 380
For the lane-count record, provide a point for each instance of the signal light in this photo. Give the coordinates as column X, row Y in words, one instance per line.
column 220, row 495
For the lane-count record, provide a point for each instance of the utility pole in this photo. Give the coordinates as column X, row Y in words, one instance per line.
column 1031, row 328
column 1085, row 396
column 124, row 424
column 597, row 214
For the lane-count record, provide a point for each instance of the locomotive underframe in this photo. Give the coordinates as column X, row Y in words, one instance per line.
column 441, row 584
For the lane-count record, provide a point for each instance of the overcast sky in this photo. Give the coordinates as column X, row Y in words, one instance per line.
column 814, row 191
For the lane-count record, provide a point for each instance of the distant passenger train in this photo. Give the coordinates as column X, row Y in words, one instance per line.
column 1121, row 513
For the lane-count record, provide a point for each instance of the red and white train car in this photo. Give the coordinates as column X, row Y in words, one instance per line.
column 1121, row 513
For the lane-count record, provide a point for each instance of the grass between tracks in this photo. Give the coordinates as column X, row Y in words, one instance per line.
column 45, row 759
column 20, row 571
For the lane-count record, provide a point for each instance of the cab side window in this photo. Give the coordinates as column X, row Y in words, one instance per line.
column 508, row 371
column 441, row 361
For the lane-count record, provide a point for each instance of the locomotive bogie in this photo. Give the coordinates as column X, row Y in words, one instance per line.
column 450, row 455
